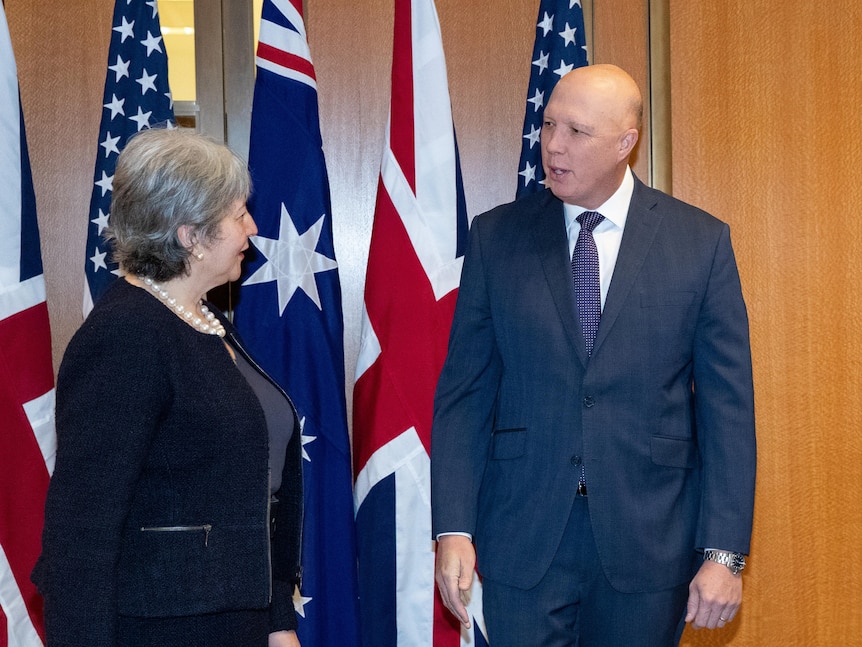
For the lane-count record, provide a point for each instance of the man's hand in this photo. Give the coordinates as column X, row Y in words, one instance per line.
column 456, row 561
column 714, row 596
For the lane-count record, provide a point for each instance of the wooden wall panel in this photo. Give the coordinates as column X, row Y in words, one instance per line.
column 61, row 57
column 621, row 37
column 765, row 97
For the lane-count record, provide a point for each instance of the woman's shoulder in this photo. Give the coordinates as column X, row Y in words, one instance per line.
column 125, row 316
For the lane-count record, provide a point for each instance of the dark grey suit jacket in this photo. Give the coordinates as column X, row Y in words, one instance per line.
column 661, row 416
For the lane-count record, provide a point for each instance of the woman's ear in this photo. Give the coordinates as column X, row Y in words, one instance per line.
column 187, row 237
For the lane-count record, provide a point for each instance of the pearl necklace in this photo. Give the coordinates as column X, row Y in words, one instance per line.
column 208, row 324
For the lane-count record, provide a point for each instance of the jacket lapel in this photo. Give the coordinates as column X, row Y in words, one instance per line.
column 641, row 226
column 550, row 238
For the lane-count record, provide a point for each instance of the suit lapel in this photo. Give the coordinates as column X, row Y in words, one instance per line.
column 550, row 238
column 641, row 226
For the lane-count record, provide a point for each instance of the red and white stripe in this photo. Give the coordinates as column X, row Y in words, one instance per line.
column 285, row 51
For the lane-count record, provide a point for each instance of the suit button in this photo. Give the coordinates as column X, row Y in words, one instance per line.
column 576, row 460
column 589, row 401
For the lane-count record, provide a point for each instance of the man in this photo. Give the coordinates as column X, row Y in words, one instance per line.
column 594, row 426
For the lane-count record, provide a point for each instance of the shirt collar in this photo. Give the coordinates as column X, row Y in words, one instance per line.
column 615, row 209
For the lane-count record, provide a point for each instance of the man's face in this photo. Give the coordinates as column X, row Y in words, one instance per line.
column 581, row 151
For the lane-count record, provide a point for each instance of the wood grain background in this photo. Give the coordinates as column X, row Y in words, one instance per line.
column 765, row 99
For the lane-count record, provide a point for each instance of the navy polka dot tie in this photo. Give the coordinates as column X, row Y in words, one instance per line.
column 585, row 274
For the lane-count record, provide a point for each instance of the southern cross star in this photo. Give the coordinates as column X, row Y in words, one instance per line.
column 292, row 261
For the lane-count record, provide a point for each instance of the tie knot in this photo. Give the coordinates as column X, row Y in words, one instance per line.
column 590, row 219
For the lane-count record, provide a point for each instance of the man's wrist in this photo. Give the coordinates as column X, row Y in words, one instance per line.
column 732, row 560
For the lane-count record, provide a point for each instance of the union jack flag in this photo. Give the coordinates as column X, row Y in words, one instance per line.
column 560, row 47
column 136, row 96
column 289, row 313
column 414, row 267
column 27, row 439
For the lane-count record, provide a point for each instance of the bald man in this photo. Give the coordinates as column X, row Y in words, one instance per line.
column 593, row 444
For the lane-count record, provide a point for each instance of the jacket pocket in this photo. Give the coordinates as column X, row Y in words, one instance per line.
column 673, row 452
column 203, row 528
column 663, row 299
column 508, row 443
column 182, row 570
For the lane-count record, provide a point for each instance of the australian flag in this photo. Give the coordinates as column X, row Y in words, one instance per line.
column 289, row 313
column 136, row 96
column 560, row 47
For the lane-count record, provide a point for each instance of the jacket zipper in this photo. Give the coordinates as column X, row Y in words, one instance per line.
column 235, row 342
column 205, row 527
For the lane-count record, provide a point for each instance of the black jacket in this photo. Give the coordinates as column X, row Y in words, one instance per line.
column 159, row 501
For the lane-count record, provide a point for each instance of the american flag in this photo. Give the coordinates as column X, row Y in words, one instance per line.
column 560, row 47
column 414, row 267
column 289, row 313
column 27, row 439
column 136, row 96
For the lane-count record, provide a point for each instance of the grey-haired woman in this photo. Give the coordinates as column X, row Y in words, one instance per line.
column 173, row 515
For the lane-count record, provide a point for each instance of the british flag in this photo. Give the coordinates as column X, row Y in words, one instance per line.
column 136, row 96
column 414, row 267
column 560, row 47
column 27, row 438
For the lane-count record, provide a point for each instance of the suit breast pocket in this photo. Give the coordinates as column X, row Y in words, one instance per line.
column 668, row 299
column 507, row 444
column 673, row 452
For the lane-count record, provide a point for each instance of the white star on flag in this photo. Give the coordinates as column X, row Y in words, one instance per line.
column 110, row 144
column 125, row 30
column 533, row 136
column 564, row 69
column 99, row 259
column 101, row 221
column 542, row 62
column 116, row 106
column 547, row 24
column 529, row 173
column 299, row 602
column 142, row 118
column 147, row 82
column 568, row 34
column 121, row 68
column 538, row 100
column 106, row 183
column 292, row 261
column 305, row 439
column 151, row 42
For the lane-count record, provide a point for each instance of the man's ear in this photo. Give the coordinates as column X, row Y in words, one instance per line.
column 627, row 142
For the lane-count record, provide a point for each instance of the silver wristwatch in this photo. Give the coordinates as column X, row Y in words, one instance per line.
column 734, row 561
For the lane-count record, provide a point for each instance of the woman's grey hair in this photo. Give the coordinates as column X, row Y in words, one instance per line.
column 166, row 179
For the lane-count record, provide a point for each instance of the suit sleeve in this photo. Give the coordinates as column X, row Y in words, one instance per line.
column 465, row 400
column 109, row 399
column 724, row 408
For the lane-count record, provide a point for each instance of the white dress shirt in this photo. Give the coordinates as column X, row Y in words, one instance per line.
column 608, row 233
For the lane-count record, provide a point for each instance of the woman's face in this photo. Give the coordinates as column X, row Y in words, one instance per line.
column 223, row 258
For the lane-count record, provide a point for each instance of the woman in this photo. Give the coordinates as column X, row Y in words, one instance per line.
column 173, row 515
